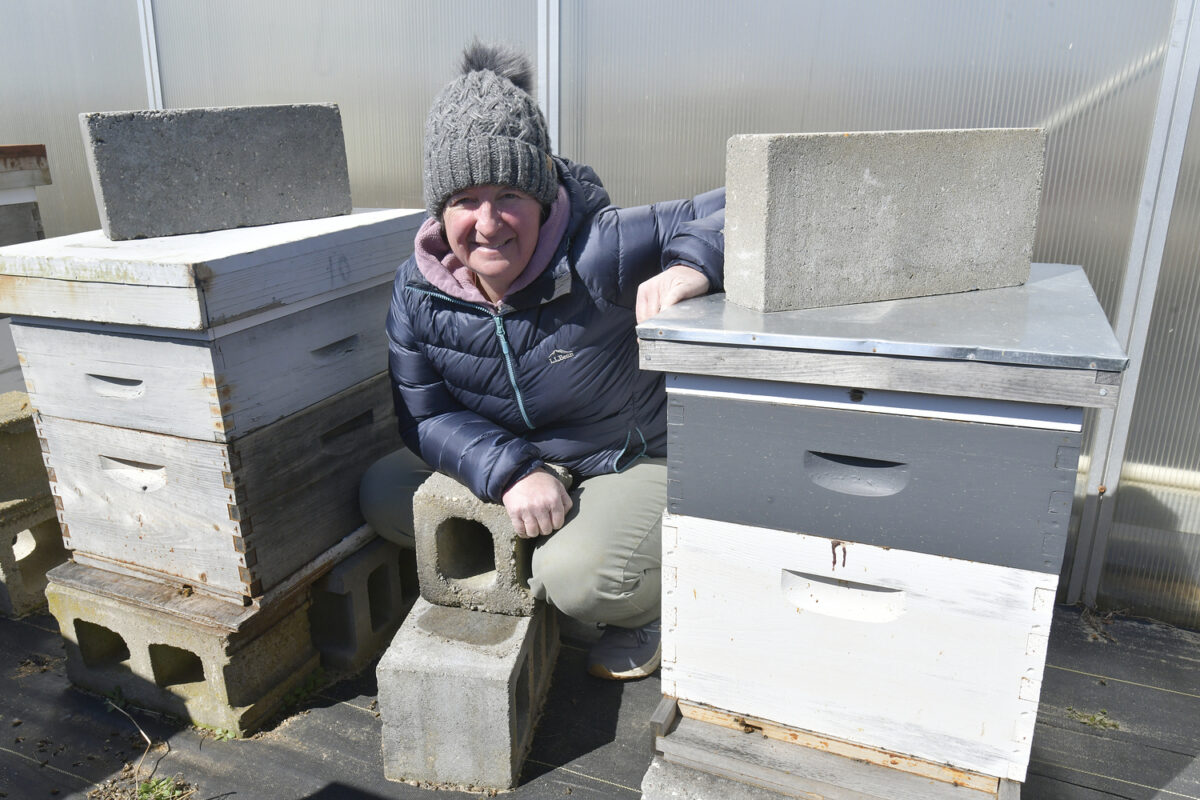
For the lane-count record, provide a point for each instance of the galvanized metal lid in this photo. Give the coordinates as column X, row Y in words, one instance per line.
column 1053, row 320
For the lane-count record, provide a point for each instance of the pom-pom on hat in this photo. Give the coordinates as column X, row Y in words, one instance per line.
column 486, row 128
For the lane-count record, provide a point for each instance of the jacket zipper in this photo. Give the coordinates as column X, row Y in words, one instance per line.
column 504, row 347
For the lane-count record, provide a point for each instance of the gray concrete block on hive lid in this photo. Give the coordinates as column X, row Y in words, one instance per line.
column 468, row 554
column 460, row 692
column 160, row 173
column 829, row 219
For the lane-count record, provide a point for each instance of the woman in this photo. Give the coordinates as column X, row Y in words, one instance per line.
column 514, row 359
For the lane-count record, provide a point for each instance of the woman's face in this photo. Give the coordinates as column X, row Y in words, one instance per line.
column 494, row 231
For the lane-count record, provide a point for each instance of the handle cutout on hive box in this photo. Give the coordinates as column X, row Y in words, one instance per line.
column 339, row 348
column 112, row 386
column 831, row 597
column 864, row 477
column 340, row 440
column 136, row 475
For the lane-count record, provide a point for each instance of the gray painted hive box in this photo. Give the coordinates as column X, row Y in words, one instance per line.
column 160, row 173
column 877, row 496
column 828, row 219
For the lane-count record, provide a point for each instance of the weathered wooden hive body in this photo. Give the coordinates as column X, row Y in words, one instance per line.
column 868, row 508
column 208, row 402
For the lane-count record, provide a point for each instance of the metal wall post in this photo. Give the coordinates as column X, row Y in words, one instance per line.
column 150, row 54
column 1163, row 162
column 549, row 74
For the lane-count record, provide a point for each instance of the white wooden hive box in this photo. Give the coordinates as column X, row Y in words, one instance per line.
column 917, row 654
column 198, row 281
column 214, row 388
column 230, row 519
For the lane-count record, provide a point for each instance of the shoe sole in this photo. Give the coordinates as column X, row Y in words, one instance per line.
column 643, row 671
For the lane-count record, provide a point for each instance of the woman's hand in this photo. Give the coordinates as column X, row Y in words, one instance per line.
column 537, row 504
column 667, row 288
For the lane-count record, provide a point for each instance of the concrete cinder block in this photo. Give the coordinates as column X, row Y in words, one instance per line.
column 31, row 544
column 358, row 605
column 20, row 222
column 834, row 218
column 177, row 652
column 468, row 555
column 30, row 540
column 22, row 471
column 160, row 173
column 460, row 692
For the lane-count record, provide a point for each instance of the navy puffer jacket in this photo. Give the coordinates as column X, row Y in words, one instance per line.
column 489, row 394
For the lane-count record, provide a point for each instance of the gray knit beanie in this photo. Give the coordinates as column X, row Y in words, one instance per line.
column 486, row 128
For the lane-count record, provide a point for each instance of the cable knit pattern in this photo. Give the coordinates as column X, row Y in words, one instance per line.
column 485, row 129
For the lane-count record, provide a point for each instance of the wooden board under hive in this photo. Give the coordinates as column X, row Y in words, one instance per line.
column 229, row 519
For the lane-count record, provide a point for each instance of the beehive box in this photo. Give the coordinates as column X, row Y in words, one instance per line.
column 868, row 510
column 214, row 389
column 198, row 282
column 232, row 520
column 928, row 656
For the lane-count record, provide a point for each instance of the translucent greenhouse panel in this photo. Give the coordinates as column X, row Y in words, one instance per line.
column 59, row 58
column 1152, row 565
column 651, row 92
column 381, row 61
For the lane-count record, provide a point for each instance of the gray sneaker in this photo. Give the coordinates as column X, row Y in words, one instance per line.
column 623, row 654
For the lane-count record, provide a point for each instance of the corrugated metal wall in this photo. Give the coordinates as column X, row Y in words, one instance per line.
column 650, row 92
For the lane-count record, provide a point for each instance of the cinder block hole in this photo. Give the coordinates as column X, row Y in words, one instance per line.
column 465, row 549
column 523, row 700
column 331, row 620
column 174, row 665
column 379, row 596
column 546, row 631
column 410, row 586
column 36, row 551
column 23, row 545
column 99, row 646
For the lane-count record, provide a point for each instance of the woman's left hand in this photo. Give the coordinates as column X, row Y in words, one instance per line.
column 537, row 504
column 667, row 288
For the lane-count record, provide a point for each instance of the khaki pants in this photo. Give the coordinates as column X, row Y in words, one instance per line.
column 602, row 566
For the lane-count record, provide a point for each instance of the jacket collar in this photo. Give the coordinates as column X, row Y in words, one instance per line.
column 587, row 197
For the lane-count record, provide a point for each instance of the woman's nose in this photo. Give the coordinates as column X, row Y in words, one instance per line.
column 487, row 219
